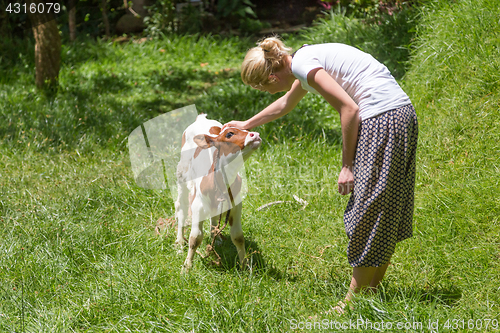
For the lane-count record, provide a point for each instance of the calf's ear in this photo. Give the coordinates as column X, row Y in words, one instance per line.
column 214, row 130
column 203, row 141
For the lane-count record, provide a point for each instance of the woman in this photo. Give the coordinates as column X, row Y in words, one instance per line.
column 379, row 132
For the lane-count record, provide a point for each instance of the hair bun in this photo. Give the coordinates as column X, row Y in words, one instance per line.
column 274, row 49
column 267, row 57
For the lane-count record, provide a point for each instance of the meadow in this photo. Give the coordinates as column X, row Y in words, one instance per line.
column 79, row 251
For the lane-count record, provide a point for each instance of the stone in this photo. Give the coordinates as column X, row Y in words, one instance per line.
column 129, row 23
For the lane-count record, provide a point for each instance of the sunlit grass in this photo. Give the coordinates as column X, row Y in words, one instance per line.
column 79, row 251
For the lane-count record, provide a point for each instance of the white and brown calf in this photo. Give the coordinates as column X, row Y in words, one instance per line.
column 210, row 161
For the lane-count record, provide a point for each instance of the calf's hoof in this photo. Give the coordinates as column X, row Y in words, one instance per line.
column 187, row 266
column 178, row 246
column 245, row 265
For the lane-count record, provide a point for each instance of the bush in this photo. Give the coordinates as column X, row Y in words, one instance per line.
column 371, row 10
column 164, row 18
column 161, row 18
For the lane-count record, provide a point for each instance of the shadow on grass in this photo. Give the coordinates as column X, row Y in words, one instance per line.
column 450, row 295
column 99, row 105
column 229, row 260
column 110, row 84
column 229, row 255
column 442, row 295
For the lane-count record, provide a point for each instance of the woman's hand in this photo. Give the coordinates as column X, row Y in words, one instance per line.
column 346, row 180
column 277, row 109
column 235, row 123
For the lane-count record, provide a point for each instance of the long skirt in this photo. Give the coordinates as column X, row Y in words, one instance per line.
column 380, row 210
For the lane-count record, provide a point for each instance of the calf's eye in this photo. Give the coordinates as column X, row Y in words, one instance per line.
column 229, row 135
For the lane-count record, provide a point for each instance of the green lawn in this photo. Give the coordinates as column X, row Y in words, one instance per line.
column 79, row 251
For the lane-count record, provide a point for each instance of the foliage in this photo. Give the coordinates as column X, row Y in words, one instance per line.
column 236, row 14
column 371, row 10
column 191, row 20
column 252, row 26
column 241, row 8
column 89, row 22
column 16, row 54
column 161, row 19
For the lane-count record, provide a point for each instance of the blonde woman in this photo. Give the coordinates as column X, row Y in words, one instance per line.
column 379, row 132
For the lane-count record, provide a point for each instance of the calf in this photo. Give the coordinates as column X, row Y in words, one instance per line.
column 208, row 180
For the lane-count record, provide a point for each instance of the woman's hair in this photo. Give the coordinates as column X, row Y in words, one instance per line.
column 263, row 60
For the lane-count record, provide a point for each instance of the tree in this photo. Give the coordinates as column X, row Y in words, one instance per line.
column 47, row 46
column 104, row 9
column 72, row 19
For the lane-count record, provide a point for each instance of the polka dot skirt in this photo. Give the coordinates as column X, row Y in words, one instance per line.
column 380, row 211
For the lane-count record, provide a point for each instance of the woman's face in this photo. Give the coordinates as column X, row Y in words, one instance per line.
column 279, row 82
column 272, row 87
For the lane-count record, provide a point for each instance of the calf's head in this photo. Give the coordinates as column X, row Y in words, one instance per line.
column 230, row 142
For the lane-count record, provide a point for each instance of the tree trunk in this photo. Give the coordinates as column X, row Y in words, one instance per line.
column 72, row 19
column 104, row 8
column 47, row 47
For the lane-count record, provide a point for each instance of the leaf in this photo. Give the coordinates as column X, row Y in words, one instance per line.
column 248, row 3
column 250, row 12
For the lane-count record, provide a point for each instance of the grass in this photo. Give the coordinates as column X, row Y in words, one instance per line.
column 387, row 38
column 79, row 252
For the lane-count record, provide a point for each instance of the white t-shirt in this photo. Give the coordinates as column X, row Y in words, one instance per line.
column 367, row 81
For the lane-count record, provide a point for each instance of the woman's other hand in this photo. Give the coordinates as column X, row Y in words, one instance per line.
column 346, row 181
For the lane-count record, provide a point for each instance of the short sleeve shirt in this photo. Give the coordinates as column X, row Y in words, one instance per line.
column 368, row 82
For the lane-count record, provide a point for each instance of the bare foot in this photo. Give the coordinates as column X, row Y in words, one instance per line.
column 337, row 310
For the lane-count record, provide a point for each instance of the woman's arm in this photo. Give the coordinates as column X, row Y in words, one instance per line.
column 275, row 110
column 320, row 80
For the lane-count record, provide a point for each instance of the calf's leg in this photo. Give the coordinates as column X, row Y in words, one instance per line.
column 195, row 239
column 181, row 213
column 237, row 233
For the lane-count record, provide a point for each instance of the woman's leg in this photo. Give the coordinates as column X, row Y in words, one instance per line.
column 361, row 279
column 366, row 278
column 378, row 276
